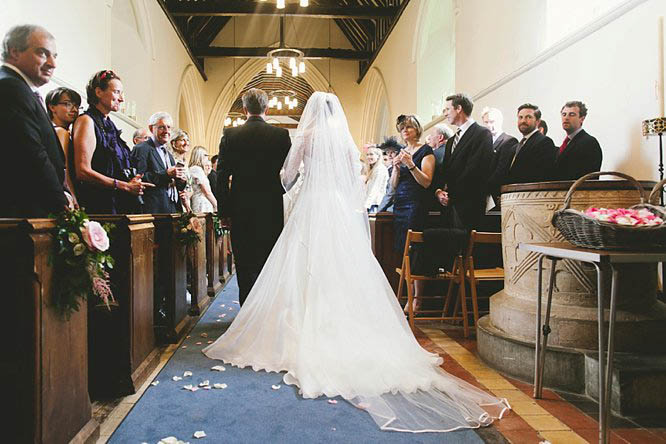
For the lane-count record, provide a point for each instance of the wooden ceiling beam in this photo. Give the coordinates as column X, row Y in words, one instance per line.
column 309, row 53
column 238, row 9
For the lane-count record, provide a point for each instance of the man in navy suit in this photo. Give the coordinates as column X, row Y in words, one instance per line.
column 152, row 159
column 579, row 153
column 34, row 177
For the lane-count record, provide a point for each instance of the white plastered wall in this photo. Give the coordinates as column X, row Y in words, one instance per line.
column 513, row 51
column 133, row 38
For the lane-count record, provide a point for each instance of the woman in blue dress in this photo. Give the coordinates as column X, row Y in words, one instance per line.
column 411, row 177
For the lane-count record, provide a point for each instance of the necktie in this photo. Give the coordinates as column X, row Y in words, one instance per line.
column 456, row 139
column 38, row 96
column 564, row 144
column 172, row 186
column 520, row 145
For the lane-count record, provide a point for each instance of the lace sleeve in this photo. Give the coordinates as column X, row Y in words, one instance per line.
column 293, row 164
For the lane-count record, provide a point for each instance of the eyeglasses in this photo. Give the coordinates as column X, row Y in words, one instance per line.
column 70, row 105
column 164, row 128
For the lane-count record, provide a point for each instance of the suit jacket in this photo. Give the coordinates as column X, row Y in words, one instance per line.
column 252, row 154
column 438, row 175
column 212, row 179
column 465, row 173
column 35, row 174
column 504, row 147
column 581, row 156
column 147, row 161
column 534, row 162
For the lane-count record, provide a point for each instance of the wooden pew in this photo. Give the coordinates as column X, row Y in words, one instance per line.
column 170, row 290
column 212, row 257
column 44, row 360
column 199, row 290
column 122, row 341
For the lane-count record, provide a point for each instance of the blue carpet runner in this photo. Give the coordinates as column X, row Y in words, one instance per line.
column 248, row 410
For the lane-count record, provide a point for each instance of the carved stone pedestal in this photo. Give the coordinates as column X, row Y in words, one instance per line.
column 641, row 319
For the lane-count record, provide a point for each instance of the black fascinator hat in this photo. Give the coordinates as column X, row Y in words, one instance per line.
column 390, row 144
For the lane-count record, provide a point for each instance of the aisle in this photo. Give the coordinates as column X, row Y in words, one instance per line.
column 248, row 409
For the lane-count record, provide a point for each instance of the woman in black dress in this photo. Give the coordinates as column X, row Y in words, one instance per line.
column 104, row 182
column 411, row 177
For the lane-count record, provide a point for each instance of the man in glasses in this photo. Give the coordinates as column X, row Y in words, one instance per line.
column 152, row 159
column 37, row 165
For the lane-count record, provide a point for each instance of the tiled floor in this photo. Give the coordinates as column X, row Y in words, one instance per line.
column 558, row 418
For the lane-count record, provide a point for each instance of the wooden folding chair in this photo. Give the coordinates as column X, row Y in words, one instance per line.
column 474, row 275
column 456, row 276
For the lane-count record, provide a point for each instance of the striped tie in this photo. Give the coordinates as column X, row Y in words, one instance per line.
column 456, row 139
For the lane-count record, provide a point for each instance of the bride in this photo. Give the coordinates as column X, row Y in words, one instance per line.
column 322, row 309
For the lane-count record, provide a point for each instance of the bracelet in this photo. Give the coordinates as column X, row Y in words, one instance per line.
column 410, row 169
column 115, row 184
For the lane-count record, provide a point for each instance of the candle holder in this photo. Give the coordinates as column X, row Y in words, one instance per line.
column 657, row 127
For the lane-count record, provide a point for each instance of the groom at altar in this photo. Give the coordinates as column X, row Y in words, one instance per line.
column 252, row 155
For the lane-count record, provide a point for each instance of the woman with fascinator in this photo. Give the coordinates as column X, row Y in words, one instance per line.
column 322, row 310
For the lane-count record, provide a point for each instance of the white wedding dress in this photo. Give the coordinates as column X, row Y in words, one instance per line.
column 322, row 309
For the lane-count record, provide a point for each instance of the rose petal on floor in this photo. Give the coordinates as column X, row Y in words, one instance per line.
column 199, row 434
column 275, row 387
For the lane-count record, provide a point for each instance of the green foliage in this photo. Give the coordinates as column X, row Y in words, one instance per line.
column 80, row 269
column 188, row 229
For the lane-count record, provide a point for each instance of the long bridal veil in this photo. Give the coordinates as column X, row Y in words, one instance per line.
column 324, row 164
column 322, row 309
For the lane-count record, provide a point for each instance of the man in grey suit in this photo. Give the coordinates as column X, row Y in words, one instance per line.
column 252, row 155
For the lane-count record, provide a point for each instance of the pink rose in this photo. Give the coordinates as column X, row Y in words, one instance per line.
column 95, row 236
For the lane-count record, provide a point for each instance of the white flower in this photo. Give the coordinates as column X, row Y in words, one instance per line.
column 79, row 249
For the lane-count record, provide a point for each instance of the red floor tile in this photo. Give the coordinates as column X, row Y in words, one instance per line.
column 512, row 422
column 592, row 435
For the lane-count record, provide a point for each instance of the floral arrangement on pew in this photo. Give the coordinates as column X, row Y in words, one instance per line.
column 81, row 261
column 625, row 216
column 218, row 228
column 189, row 229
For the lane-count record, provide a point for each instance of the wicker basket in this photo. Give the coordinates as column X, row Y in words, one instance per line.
column 587, row 232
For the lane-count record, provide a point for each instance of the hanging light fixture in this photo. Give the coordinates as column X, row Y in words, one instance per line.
column 283, row 98
column 280, row 4
column 304, row 3
column 291, row 57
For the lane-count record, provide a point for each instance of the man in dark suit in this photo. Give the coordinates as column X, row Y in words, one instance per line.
column 531, row 160
column 467, row 163
column 252, row 155
column 152, row 159
column 212, row 176
column 33, row 179
column 504, row 145
column 440, row 135
column 579, row 153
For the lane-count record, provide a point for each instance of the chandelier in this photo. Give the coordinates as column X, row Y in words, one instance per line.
column 288, row 101
column 280, row 3
column 234, row 119
column 282, row 56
